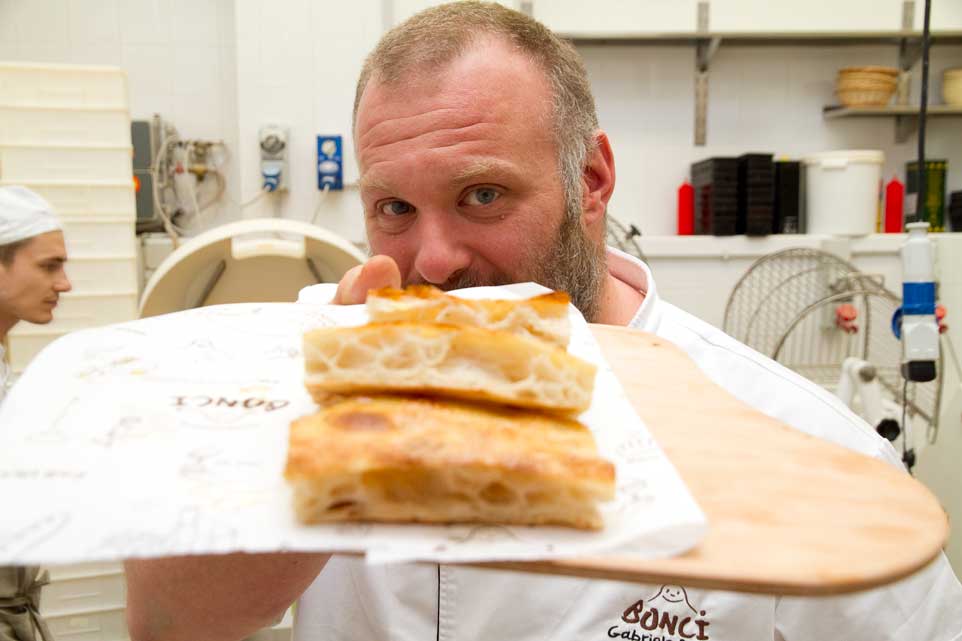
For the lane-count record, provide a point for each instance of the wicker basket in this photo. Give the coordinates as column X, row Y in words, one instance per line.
column 952, row 87
column 892, row 72
column 864, row 97
column 866, row 86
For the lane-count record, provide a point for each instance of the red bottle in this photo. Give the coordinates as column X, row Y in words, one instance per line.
column 686, row 209
column 894, row 201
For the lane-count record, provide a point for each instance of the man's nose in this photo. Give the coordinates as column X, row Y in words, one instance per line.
column 441, row 252
column 62, row 283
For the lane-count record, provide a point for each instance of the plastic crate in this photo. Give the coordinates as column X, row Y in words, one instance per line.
column 756, row 194
column 103, row 625
column 84, row 310
column 84, row 594
column 97, row 198
column 23, row 163
column 50, row 126
column 39, row 85
column 68, row 571
column 103, row 275
column 715, row 181
column 99, row 236
column 788, row 203
column 23, row 347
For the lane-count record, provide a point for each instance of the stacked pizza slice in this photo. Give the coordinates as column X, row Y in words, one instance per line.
column 444, row 410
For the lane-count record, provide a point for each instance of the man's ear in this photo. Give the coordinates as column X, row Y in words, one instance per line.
column 597, row 180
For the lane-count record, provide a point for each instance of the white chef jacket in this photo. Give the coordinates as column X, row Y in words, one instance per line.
column 418, row 602
column 4, row 374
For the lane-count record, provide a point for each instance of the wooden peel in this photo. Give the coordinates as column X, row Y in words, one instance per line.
column 788, row 513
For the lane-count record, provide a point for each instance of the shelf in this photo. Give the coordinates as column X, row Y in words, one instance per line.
column 906, row 120
column 759, row 38
column 838, row 111
column 751, row 247
column 706, row 39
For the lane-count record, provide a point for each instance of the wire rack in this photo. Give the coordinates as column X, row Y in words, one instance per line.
column 785, row 307
column 623, row 237
column 776, row 289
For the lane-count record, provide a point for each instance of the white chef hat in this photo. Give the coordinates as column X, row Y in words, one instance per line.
column 24, row 214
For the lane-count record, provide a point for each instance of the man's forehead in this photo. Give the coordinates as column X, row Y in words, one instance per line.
column 482, row 78
column 458, row 173
column 44, row 246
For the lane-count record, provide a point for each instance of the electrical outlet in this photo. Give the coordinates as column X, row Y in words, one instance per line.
column 274, row 168
column 330, row 168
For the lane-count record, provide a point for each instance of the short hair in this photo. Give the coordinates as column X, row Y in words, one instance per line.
column 9, row 251
column 440, row 34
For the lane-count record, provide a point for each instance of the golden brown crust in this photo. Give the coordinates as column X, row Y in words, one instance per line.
column 464, row 362
column 416, row 459
column 544, row 316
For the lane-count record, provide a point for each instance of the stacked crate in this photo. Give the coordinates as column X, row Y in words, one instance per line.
column 86, row 602
column 715, row 182
column 65, row 134
column 756, row 195
column 788, row 198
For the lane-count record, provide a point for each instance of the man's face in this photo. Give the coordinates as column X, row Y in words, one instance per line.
column 459, row 173
column 31, row 284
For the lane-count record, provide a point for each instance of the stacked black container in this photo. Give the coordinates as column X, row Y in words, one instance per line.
column 788, row 198
column 955, row 211
column 715, row 182
column 756, row 195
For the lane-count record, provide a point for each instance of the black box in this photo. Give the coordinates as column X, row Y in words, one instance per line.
column 788, row 198
column 715, row 182
column 756, row 194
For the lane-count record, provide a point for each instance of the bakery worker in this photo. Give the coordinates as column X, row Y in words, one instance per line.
column 482, row 162
column 32, row 257
column 32, row 277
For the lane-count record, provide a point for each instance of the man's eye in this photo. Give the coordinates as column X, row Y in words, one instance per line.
column 396, row 208
column 482, row 196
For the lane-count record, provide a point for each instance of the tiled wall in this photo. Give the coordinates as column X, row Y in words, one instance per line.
column 222, row 69
column 761, row 98
column 180, row 57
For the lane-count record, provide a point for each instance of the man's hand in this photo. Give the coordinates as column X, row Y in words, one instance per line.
column 377, row 272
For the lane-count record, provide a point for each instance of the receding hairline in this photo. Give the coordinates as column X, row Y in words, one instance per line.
column 420, row 69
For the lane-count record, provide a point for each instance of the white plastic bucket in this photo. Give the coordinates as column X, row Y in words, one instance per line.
column 842, row 191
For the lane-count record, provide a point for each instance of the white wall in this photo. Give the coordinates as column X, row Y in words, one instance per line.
column 298, row 63
column 223, row 68
column 761, row 98
column 178, row 55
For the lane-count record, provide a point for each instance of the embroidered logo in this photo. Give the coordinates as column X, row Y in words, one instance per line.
column 667, row 616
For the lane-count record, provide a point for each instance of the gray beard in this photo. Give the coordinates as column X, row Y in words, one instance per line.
column 571, row 264
column 575, row 265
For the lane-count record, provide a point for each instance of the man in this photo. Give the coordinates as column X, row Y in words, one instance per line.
column 32, row 277
column 482, row 162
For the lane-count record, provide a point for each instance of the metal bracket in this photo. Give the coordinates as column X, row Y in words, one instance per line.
column 705, row 49
column 905, row 127
column 910, row 50
column 701, row 107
